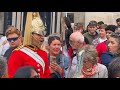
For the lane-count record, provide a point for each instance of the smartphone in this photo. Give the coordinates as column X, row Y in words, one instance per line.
column 52, row 59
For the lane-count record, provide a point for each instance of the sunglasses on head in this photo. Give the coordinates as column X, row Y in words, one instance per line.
column 12, row 39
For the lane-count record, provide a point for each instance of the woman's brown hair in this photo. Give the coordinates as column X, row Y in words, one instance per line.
column 53, row 37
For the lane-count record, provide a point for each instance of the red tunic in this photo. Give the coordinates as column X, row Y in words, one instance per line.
column 19, row 59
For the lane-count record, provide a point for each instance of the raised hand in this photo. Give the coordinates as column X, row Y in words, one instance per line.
column 55, row 67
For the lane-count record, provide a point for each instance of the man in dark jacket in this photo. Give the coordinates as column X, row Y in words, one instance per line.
column 68, row 31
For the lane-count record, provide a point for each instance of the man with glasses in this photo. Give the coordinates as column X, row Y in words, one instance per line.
column 76, row 41
column 14, row 39
column 31, row 54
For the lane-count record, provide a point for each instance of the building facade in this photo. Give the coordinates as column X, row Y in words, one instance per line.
column 52, row 20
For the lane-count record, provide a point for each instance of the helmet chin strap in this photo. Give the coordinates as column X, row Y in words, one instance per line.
column 35, row 42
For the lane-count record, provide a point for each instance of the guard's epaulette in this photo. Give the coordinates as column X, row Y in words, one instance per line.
column 31, row 47
column 19, row 47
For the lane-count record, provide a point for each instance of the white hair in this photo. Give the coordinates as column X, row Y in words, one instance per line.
column 81, row 39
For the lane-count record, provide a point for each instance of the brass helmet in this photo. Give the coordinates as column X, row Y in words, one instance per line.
column 34, row 24
column 37, row 25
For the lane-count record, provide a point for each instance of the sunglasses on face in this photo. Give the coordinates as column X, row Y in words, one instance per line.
column 12, row 39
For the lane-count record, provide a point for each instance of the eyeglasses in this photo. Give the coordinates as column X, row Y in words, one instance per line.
column 12, row 39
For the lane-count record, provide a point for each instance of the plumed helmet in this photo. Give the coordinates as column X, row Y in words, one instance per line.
column 34, row 24
column 38, row 26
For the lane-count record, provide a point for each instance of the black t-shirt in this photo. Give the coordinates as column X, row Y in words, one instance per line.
column 8, row 53
column 68, row 32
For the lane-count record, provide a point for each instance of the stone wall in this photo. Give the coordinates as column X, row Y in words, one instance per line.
column 106, row 17
column 79, row 17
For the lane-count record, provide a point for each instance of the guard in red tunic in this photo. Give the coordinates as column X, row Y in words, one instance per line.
column 30, row 52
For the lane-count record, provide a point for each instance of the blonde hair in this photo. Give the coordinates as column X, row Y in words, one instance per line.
column 11, row 30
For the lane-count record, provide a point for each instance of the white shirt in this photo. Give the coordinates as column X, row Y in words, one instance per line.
column 5, row 47
column 102, row 40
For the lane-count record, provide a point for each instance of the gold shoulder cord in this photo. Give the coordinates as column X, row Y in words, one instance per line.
column 19, row 47
column 31, row 47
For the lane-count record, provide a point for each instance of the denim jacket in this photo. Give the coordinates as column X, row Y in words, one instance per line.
column 107, row 57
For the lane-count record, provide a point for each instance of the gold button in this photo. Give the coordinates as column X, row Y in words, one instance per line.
column 38, row 69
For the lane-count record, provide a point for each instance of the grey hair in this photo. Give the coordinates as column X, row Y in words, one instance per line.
column 114, row 68
column 81, row 39
column 91, row 53
column 3, row 66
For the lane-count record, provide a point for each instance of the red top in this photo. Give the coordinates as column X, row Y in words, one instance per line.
column 70, row 51
column 19, row 59
column 101, row 47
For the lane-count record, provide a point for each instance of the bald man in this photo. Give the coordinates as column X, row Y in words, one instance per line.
column 76, row 41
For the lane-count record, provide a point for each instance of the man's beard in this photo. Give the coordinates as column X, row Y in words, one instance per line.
column 35, row 42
